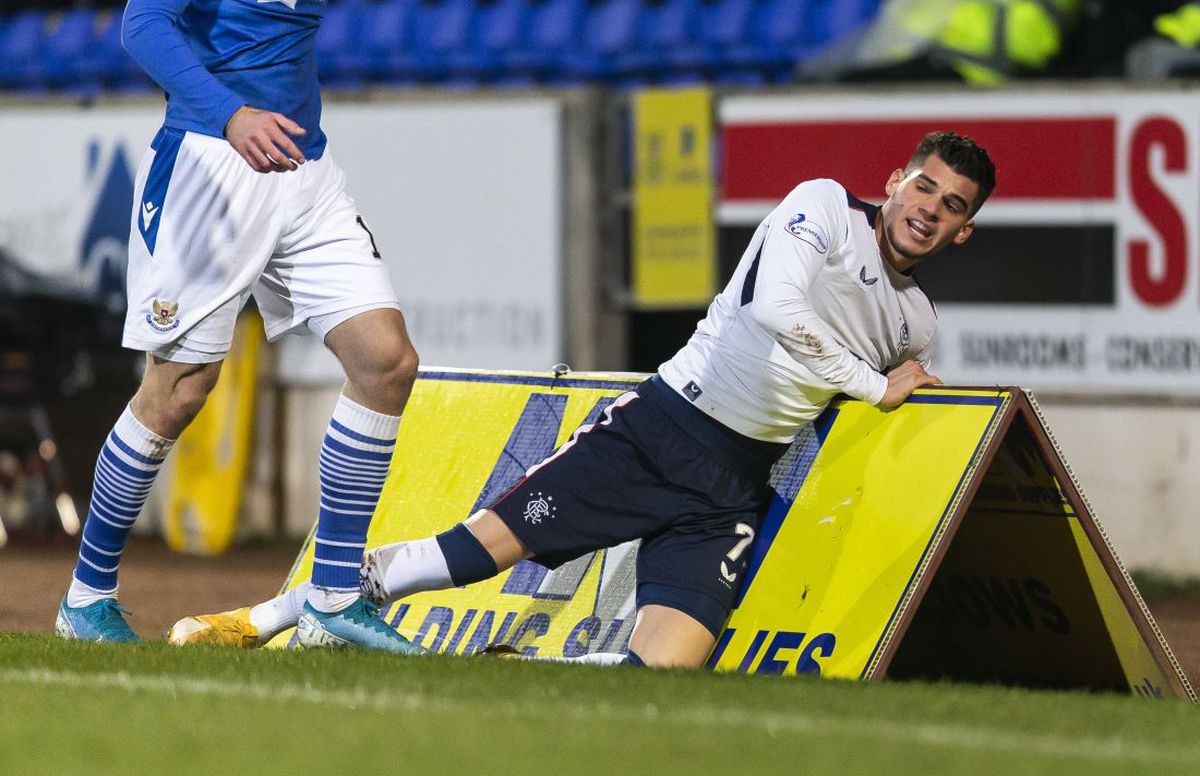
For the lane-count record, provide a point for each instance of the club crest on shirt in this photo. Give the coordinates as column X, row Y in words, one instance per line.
column 539, row 508
column 799, row 226
column 163, row 316
column 903, row 344
column 866, row 281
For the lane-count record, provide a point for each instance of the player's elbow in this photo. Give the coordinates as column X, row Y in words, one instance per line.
column 129, row 34
column 770, row 318
column 134, row 25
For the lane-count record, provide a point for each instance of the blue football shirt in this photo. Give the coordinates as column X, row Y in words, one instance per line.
column 212, row 57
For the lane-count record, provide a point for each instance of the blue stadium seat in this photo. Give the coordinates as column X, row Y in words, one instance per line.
column 610, row 30
column 106, row 61
column 442, row 29
column 386, row 41
column 831, row 20
column 340, row 61
column 21, row 43
column 723, row 25
column 497, row 27
column 69, row 38
column 779, row 37
column 554, row 27
column 666, row 26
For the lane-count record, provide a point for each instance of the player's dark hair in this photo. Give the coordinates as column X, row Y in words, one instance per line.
column 963, row 155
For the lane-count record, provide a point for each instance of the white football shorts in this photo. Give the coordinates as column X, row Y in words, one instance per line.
column 208, row 232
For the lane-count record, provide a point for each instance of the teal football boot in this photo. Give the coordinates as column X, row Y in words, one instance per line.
column 358, row 625
column 99, row 621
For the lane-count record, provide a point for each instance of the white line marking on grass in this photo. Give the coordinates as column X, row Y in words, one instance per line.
column 948, row 736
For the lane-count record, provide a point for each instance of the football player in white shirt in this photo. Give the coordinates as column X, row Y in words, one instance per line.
column 822, row 302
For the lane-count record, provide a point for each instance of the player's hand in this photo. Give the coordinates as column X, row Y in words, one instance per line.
column 902, row 381
column 262, row 139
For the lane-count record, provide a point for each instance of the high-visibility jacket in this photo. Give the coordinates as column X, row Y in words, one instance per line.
column 1181, row 25
column 988, row 41
column 984, row 41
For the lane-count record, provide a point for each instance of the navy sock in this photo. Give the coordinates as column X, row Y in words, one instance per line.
column 632, row 659
column 466, row 559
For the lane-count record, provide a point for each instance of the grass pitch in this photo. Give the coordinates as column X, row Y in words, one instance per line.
column 72, row 707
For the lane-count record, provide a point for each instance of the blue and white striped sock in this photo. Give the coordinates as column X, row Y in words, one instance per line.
column 125, row 472
column 355, row 457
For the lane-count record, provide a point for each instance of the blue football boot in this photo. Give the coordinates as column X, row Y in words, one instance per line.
column 358, row 625
column 100, row 621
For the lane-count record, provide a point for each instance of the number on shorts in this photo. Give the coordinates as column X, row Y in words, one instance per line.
column 374, row 249
column 745, row 531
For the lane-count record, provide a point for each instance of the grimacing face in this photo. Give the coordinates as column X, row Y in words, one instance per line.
column 928, row 208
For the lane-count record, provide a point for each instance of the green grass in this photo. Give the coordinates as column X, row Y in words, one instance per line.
column 72, row 707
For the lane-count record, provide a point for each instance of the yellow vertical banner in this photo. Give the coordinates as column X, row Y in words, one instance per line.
column 674, row 256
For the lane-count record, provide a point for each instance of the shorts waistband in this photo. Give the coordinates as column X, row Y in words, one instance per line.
column 752, row 458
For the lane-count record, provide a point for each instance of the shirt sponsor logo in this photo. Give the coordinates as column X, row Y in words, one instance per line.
column 539, row 508
column 806, row 230
column 866, row 281
column 163, row 316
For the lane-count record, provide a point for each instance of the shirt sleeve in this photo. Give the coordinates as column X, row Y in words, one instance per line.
column 924, row 356
column 150, row 33
column 804, row 232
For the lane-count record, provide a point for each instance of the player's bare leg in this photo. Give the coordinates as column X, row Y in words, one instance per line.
column 378, row 358
column 381, row 366
column 169, row 398
column 668, row 638
column 172, row 394
column 497, row 538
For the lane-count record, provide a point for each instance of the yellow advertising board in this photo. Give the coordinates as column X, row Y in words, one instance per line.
column 943, row 539
column 674, row 255
column 212, row 456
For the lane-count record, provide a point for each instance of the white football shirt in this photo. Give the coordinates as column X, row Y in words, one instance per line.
column 813, row 310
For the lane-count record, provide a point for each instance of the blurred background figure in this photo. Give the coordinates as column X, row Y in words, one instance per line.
column 990, row 42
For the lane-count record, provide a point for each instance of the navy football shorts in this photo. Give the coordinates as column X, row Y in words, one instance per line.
column 655, row 468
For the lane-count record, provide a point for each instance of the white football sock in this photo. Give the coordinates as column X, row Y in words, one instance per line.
column 79, row 594
column 280, row 613
column 329, row 601
column 595, row 658
column 413, row 567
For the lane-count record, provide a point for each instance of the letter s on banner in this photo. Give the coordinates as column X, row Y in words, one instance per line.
column 1164, row 287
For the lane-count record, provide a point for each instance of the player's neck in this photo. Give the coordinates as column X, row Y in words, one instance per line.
column 894, row 260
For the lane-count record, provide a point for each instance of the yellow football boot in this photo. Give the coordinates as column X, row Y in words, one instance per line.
column 227, row 629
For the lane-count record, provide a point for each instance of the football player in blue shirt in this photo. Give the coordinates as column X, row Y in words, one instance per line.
column 238, row 196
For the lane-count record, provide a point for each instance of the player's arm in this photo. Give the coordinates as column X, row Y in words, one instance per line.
column 150, row 33
column 782, row 306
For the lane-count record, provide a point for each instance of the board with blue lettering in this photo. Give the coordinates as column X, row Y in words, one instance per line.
column 945, row 539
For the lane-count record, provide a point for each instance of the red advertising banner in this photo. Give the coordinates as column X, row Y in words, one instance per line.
column 1083, row 271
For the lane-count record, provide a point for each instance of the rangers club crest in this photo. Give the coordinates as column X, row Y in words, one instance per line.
column 539, row 508
column 163, row 316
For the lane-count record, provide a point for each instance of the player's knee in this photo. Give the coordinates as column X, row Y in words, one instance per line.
column 188, row 397
column 169, row 399
column 407, row 363
column 391, row 371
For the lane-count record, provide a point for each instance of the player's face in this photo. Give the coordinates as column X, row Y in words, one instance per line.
column 927, row 209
